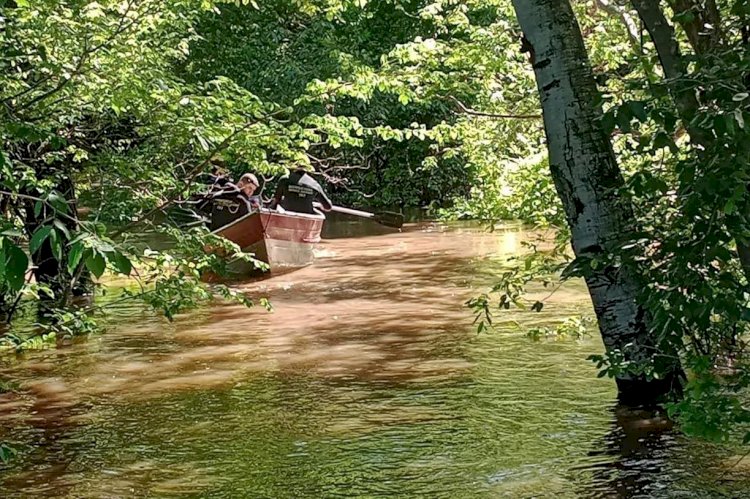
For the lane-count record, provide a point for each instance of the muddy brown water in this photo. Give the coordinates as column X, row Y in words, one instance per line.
column 367, row 380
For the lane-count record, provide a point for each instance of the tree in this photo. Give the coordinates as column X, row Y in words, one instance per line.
column 704, row 29
column 588, row 181
column 412, row 66
column 92, row 110
column 702, row 265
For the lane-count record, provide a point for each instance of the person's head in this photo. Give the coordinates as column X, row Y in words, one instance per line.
column 248, row 184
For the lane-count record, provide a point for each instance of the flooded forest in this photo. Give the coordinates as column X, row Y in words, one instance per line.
column 374, row 248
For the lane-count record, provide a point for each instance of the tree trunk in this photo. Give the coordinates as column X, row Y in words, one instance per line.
column 48, row 270
column 702, row 23
column 668, row 50
column 587, row 178
column 675, row 68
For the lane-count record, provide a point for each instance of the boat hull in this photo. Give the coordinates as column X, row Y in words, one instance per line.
column 281, row 240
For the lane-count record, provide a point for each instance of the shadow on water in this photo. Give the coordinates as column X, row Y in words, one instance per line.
column 367, row 380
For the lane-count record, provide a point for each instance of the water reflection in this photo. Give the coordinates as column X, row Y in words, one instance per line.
column 633, row 456
column 367, row 380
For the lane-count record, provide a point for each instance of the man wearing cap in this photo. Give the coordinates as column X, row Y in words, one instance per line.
column 299, row 191
column 248, row 186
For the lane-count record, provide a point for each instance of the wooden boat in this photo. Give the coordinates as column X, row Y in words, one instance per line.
column 280, row 239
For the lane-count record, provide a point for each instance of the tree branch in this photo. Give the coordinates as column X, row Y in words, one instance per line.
column 192, row 174
column 702, row 24
column 87, row 52
column 634, row 32
column 472, row 112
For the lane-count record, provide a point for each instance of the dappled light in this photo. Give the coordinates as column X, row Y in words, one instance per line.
column 402, row 248
column 369, row 348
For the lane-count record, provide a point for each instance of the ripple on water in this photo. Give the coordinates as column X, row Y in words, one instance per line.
column 368, row 380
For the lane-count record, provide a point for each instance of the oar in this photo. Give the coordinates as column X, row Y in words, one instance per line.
column 387, row 218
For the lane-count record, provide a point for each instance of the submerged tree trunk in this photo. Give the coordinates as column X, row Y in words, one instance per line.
column 587, row 179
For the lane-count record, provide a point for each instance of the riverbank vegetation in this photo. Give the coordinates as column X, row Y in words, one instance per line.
column 622, row 125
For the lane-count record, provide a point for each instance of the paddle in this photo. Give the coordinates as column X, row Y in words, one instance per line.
column 387, row 218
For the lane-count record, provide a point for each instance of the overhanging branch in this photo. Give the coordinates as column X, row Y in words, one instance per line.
column 634, row 32
column 473, row 112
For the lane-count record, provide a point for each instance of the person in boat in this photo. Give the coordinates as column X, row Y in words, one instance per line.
column 235, row 200
column 246, row 189
column 249, row 188
column 298, row 192
column 199, row 205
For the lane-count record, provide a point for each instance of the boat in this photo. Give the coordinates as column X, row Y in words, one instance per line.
column 281, row 239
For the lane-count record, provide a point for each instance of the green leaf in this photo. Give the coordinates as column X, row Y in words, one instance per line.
column 638, row 109
column 720, row 124
column 96, row 264
column 624, row 116
column 6, row 453
column 684, row 17
column 662, row 139
column 121, row 263
column 730, row 123
column 58, row 202
column 729, row 206
column 102, row 246
column 56, row 243
column 62, row 228
column 15, row 270
column 40, row 235
column 74, row 256
column 608, row 122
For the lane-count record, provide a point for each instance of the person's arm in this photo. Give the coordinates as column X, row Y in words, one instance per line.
column 325, row 203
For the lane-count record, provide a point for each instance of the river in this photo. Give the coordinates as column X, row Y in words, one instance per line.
column 367, row 380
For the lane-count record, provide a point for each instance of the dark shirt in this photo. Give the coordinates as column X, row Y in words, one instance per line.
column 229, row 204
column 298, row 191
column 231, row 190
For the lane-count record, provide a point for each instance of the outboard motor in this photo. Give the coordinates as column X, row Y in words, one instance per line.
column 228, row 207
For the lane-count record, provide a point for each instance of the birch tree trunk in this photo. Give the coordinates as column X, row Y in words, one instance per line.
column 587, row 179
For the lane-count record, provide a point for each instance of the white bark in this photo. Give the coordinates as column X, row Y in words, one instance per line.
column 585, row 172
column 610, row 6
